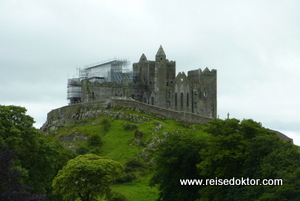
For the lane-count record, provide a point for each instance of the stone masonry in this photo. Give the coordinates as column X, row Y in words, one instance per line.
column 155, row 83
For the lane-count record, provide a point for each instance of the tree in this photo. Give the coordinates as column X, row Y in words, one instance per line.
column 246, row 149
column 176, row 158
column 86, row 177
column 226, row 154
column 11, row 186
column 39, row 158
column 272, row 158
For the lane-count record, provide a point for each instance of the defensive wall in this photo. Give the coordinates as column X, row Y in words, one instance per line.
column 159, row 111
column 63, row 116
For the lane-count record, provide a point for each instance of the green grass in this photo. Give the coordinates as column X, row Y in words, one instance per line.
column 138, row 190
column 119, row 145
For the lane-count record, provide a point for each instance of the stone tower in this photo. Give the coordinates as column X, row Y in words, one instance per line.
column 164, row 76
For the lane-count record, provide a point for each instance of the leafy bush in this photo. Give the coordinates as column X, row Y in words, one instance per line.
column 126, row 177
column 129, row 168
column 94, row 140
column 133, row 164
column 82, row 150
column 130, row 127
column 138, row 135
column 106, row 125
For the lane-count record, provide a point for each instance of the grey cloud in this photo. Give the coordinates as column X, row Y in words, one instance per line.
column 254, row 45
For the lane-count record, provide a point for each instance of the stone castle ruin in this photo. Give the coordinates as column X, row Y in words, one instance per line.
column 151, row 86
column 150, row 82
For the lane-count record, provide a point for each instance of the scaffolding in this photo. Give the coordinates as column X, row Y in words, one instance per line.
column 74, row 90
column 109, row 71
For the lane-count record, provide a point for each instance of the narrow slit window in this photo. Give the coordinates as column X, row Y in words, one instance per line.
column 187, row 99
column 181, row 99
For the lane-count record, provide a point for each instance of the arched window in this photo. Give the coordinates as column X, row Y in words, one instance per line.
column 175, row 99
column 152, row 100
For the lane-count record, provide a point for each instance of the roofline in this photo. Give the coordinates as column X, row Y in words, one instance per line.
column 99, row 64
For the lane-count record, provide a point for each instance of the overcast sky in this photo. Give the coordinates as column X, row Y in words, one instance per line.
column 254, row 45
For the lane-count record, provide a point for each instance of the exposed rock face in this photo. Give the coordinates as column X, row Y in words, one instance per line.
column 79, row 112
column 74, row 113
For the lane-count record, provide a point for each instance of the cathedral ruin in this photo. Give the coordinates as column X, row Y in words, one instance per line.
column 151, row 82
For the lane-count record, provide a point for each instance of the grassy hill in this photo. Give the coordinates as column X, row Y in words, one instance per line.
column 127, row 136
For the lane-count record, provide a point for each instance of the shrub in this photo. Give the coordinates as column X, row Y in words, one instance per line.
column 138, row 135
column 82, row 150
column 126, row 177
column 130, row 127
column 94, row 140
column 133, row 164
column 106, row 125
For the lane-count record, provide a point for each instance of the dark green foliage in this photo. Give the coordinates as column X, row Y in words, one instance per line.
column 11, row 186
column 176, row 158
column 133, row 164
column 106, row 125
column 138, row 135
column 269, row 157
column 38, row 158
column 234, row 149
column 94, row 140
column 116, row 196
column 125, row 178
column 130, row 167
column 246, row 149
column 130, row 127
column 82, row 150
column 94, row 143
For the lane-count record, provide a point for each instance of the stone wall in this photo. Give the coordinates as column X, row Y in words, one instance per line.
column 63, row 116
column 159, row 111
column 76, row 113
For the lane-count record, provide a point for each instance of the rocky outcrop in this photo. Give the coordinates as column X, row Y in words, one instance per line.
column 64, row 116
column 75, row 113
